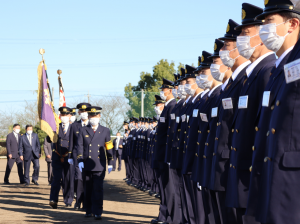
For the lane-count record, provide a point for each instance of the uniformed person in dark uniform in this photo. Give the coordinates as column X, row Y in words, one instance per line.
column 94, row 147
column 124, row 153
column 279, row 177
column 252, row 89
column 75, row 129
column 60, row 166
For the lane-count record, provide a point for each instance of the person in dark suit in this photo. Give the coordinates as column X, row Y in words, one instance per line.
column 94, row 147
column 60, row 166
column 117, row 151
column 48, row 146
column 75, row 129
column 160, row 148
column 30, row 151
column 12, row 144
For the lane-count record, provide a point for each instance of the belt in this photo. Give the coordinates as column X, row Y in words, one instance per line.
column 61, row 156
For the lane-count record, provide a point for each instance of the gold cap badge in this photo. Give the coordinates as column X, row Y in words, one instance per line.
column 228, row 28
column 198, row 63
column 83, row 107
column 185, row 71
column 65, row 110
column 243, row 14
column 266, row 2
column 93, row 110
column 215, row 47
column 202, row 58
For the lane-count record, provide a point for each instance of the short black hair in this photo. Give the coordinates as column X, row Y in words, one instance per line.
column 15, row 125
column 28, row 126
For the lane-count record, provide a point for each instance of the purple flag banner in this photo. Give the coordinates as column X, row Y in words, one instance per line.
column 48, row 118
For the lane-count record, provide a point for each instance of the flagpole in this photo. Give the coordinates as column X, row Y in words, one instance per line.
column 42, row 52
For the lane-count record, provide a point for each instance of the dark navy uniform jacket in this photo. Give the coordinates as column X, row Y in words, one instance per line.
column 61, row 147
column 223, row 133
column 130, row 142
column 210, row 142
column 261, row 128
column 190, row 144
column 176, row 135
column 94, row 147
column 170, row 134
column 183, row 121
column 154, row 163
column 124, row 153
column 12, row 145
column 74, row 132
column 203, row 128
column 281, row 163
column 161, row 131
column 244, row 133
column 134, row 144
column 146, row 135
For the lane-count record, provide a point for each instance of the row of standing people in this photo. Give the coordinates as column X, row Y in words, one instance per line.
column 227, row 150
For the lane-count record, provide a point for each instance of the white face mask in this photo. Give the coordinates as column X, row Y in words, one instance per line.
column 215, row 72
column 72, row 119
column 189, row 90
column 226, row 59
column 157, row 110
column 29, row 132
column 151, row 126
column 139, row 125
column 204, row 82
column 174, row 92
column 84, row 116
column 199, row 82
column 182, row 91
column 17, row 130
column 94, row 121
column 244, row 47
column 162, row 95
column 118, row 137
column 65, row 119
column 270, row 38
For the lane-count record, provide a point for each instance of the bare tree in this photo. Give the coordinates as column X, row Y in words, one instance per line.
column 114, row 108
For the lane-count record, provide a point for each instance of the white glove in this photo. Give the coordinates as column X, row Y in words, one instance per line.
column 70, row 161
column 169, row 164
column 109, row 168
column 198, row 186
column 81, row 166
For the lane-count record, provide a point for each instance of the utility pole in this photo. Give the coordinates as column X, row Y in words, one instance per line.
column 142, row 103
column 88, row 96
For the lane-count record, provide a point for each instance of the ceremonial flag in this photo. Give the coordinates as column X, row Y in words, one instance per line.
column 49, row 119
column 62, row 99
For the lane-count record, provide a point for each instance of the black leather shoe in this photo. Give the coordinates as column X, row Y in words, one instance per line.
column 26, row 184
column 6, row 182
column 76, row 206
column 88, row 215
column 83, row 209
column 154, row 221
column 35, row 182
column 68, row 206
column 157, row 196
column 97, row 217
column 53, row 204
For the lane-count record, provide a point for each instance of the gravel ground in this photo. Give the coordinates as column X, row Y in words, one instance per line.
column 122, row 204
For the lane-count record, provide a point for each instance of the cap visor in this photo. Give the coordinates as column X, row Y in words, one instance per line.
column 248, row 24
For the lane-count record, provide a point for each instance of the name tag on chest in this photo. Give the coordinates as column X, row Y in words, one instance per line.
column 292, row 71
column 148, row 139
column 183, row 118
column 139, row 136
column 243, row 102
column 203, row 117
column 214, row 112
column 177, row 119
column 266, row 98
column 172, row 116
column 227, row 103
column 162, row 119
column 187, row 118
column 195, row 112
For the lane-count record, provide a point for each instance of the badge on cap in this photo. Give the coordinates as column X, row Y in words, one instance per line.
column 266, row 2
column 215, row 47
column 185, row 71
column 93, row 110
column 65, row 110
column 228, row 28
column 243, row 14
column 83, row 107
column 202, row 58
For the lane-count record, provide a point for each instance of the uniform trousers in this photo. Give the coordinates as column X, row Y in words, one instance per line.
column 9, row 166
column 190, row 198
column 127, row 168
column 154, row 184
column 227, row 215
column 201, row 217
column 93, row 191
column 78, row 186
column 141, row 172
column 163, row 180
column 62, row 172
column 49, row 170
column 36, row 168
column 136, row 171
column 117, row 156
column 176, row 203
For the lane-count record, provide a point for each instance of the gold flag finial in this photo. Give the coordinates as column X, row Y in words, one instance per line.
column 59, row 72
column 42, row 51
